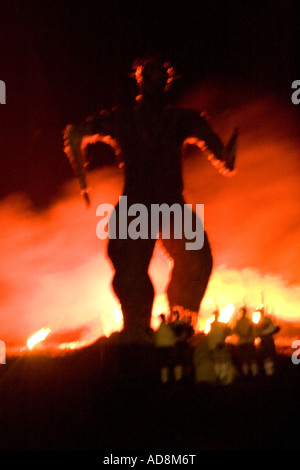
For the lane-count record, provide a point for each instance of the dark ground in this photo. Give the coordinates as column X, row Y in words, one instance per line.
column 80, row 402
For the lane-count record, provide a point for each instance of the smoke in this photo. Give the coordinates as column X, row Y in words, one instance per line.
column 54, row 270
column 253, row 218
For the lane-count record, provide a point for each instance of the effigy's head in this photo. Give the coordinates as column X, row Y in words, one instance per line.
column 153, row 76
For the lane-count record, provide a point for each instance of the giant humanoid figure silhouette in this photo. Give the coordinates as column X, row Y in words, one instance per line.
column 148, row 138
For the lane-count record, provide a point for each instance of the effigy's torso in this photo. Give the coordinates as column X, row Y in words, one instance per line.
column 151, row 145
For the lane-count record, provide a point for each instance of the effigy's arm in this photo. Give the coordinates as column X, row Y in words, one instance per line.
column 73, row 135
column 226, row 163
column 221, row 156
column 77, row 137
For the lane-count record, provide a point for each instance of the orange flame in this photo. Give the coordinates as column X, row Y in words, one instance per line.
column 256, row 316
column 224, row 317
column 38, row 337
column 112, row 322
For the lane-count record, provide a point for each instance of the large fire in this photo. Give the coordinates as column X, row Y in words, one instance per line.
column 54, row 270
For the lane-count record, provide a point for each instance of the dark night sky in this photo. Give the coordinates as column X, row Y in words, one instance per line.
column 63, row 60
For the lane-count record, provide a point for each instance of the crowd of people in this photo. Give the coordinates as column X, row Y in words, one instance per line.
column 211, row 357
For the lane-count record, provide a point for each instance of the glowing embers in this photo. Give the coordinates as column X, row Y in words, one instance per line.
column 106, row 139
column 38, row 337
column 195, row 141
column 138, row 68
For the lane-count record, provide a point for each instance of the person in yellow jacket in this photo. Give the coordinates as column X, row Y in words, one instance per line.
column 219, row 349
column 266, row 349
column 165, row 341
column 246, row 351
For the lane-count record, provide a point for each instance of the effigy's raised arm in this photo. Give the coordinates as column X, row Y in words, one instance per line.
column 73, row 135
column 77, row 137
column 221, row 156
column 226, row 164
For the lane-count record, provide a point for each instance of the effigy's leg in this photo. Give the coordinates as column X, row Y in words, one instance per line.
column 131, row 283
column 190, row 274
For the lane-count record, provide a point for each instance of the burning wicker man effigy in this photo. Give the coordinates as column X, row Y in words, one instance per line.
column 147, row 138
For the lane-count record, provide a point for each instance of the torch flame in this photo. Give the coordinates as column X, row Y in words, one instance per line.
column 256, row 316
column 38, row 337
column 224, row 317
column 226, row 313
